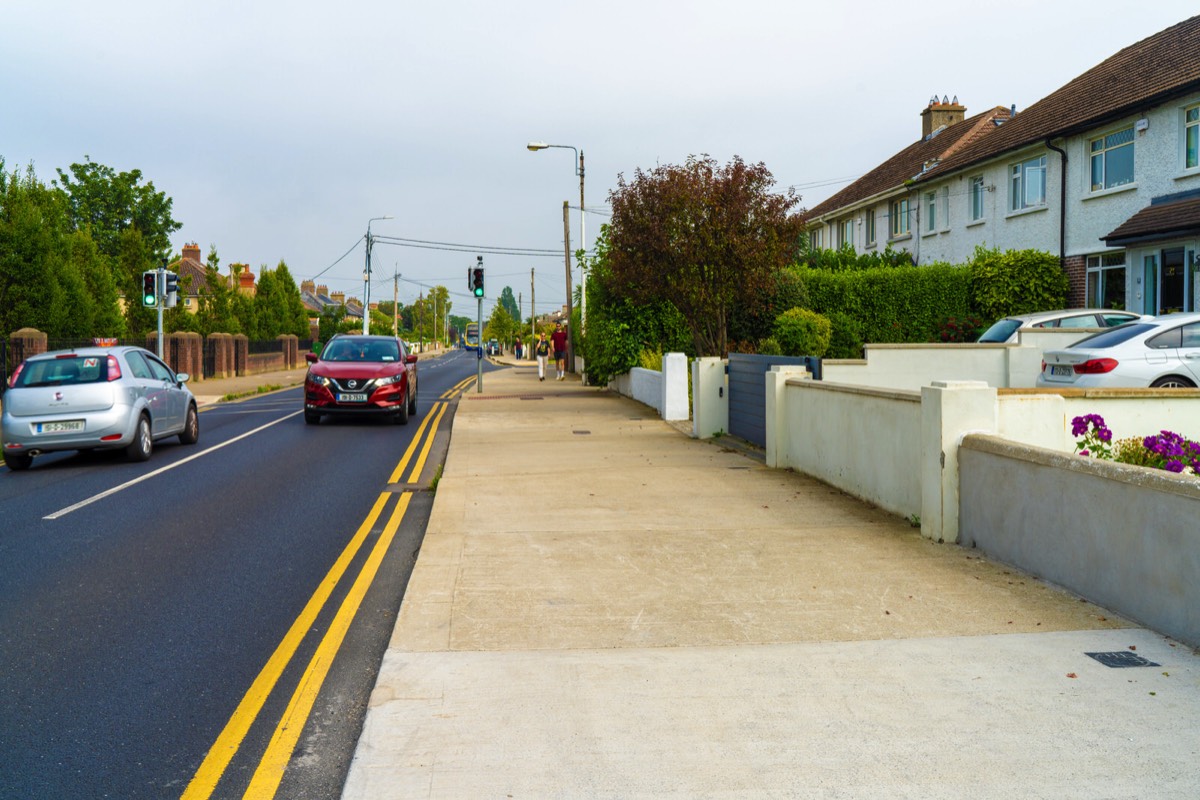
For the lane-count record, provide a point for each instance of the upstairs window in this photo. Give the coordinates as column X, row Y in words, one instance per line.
column 931, row 215
column 976, row 199
column 1112, row 160
column 1028, row 184
column 1191, row 137
column 869, row 226
column 899, row 215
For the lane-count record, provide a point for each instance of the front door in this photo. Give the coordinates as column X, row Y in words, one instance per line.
column 1174, row 292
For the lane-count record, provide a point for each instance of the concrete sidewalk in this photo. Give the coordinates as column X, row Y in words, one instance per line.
column 603, row 607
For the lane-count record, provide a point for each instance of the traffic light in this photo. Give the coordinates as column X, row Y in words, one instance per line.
column 150, row 288
column 172, row 289
column 477, row 281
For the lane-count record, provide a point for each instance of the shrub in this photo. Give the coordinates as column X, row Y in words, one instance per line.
column 769, row 347
column 1131, row 450
column 961, row 329
column 801, row 332
column 1016, row 282
column 845, row 340
column 650, row 359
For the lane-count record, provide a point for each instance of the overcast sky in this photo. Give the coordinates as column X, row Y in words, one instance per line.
column 280, row 129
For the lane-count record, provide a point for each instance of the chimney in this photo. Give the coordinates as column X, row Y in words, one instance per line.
column 191, row 250
column 323, row 290
column 339, row 298
column 941, row 114
column 307, row 286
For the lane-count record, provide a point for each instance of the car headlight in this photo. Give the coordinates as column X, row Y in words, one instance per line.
column 321, row 380
column 389, row 381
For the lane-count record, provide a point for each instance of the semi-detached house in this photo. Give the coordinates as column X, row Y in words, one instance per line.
column 1104, row 172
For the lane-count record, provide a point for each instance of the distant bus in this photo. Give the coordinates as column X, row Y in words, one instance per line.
column 471, row 339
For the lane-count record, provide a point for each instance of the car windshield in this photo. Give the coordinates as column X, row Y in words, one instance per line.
column 999, row 333
column 1113, row 337
column 362, row 350
column 63, row 371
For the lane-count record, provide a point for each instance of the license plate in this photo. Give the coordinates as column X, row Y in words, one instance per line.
column 352, row 398
column 60, row 427
column 1064, row 370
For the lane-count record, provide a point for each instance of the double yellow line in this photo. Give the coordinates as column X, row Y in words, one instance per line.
column 269, row 773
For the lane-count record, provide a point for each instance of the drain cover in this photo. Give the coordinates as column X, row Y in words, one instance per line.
column 1122, row 658
column 581, row 433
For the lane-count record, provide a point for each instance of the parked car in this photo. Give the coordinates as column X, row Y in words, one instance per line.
column 1004, row 331
column 361, row 376
column 95, row 398
column 493, row 347
column 1162, row 352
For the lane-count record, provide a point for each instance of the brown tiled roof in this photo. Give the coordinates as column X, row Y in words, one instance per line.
column 191, row 267
column 1137, row 78
column 909, row 162
column 1161, row 219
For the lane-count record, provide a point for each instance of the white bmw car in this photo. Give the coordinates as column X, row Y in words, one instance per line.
column 1163, row 352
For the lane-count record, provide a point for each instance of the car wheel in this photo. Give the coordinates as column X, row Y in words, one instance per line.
column 1172, row 382
column 18, row 461
column 311, row 417
column 401, row 417
column 141, row 446
column 191, row 427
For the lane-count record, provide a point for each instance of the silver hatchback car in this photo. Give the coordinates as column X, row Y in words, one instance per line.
column 95, row 398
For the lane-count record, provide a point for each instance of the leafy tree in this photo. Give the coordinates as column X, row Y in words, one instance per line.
column 500, row 325
column 509, row 302
column 1016, row 282
column 214, row 313
column 100, row 286
column 32, row 252
column 278, row 306
column 703, row 237
column 106, row 202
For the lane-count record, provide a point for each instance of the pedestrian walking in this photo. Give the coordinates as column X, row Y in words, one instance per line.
column 542, row 351
column 517, row 348
column 559, row 339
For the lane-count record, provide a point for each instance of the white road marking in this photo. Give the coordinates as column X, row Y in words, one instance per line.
column 64, row 511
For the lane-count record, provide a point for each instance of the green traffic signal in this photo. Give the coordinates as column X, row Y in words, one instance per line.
column 150, row 289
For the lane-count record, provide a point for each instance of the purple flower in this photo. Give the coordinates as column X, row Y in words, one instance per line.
column 1104, row 435
column 1173, row 466
column 1084, row 453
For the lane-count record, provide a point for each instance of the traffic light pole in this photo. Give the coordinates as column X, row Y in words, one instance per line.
column 479, row 350
column 160, row 284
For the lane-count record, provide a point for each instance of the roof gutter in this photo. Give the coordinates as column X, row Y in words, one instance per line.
column 1062, row 203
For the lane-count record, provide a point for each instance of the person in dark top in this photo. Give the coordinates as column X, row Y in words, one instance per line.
column 559, row 340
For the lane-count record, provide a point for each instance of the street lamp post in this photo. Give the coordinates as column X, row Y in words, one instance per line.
column 534, row 147
column 367, row 278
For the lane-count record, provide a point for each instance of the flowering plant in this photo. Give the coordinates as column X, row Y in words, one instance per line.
column 1172, row 452
column 1094, row 436
column 1167, row 451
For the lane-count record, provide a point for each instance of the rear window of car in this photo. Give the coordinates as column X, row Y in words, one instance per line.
column 1113, row 337
column 63, row 371
column 999, row 333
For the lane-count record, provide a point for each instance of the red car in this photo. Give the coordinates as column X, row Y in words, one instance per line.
column 361, row 376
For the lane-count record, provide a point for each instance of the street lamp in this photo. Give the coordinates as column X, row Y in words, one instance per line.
column 367, row 278
column 534, row 147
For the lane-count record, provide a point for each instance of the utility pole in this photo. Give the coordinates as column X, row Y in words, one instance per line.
column 396, row 305
column 532, row 313
column 582, row 261
column 479, row 322
column 570, row 301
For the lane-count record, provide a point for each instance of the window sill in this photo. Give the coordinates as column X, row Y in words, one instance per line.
column 904, row 237
column 1125, row 187
column 1194, row 172
column 976, row 223
column 1022, row 212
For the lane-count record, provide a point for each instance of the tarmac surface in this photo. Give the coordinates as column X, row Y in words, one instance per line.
column 604, row 607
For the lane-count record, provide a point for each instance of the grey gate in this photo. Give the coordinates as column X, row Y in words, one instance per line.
column 747, row 391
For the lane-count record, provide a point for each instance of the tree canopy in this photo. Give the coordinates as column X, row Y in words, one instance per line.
column 702, row 236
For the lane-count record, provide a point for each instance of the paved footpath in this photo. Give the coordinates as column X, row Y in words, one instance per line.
column 605, row 608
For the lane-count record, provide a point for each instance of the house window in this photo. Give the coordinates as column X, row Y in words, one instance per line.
column 1191, row 137
column 869, row 226
column 1112, row 160
column 814, row 239
column 846, row 233
column 1106, row 281
column 931, row 217
column 899, row 215
column 1028, row 184
column 976, row 199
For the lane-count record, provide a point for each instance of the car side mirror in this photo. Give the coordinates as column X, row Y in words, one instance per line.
column 182, row 377
column 411, row 358
column 310, row 358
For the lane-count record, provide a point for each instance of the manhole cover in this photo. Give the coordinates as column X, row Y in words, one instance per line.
column 581, row 433
column 1122, row 658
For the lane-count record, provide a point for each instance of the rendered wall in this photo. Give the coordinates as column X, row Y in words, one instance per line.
column 1123, row 537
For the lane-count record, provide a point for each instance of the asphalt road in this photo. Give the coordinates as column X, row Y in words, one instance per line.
column 211, row 620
